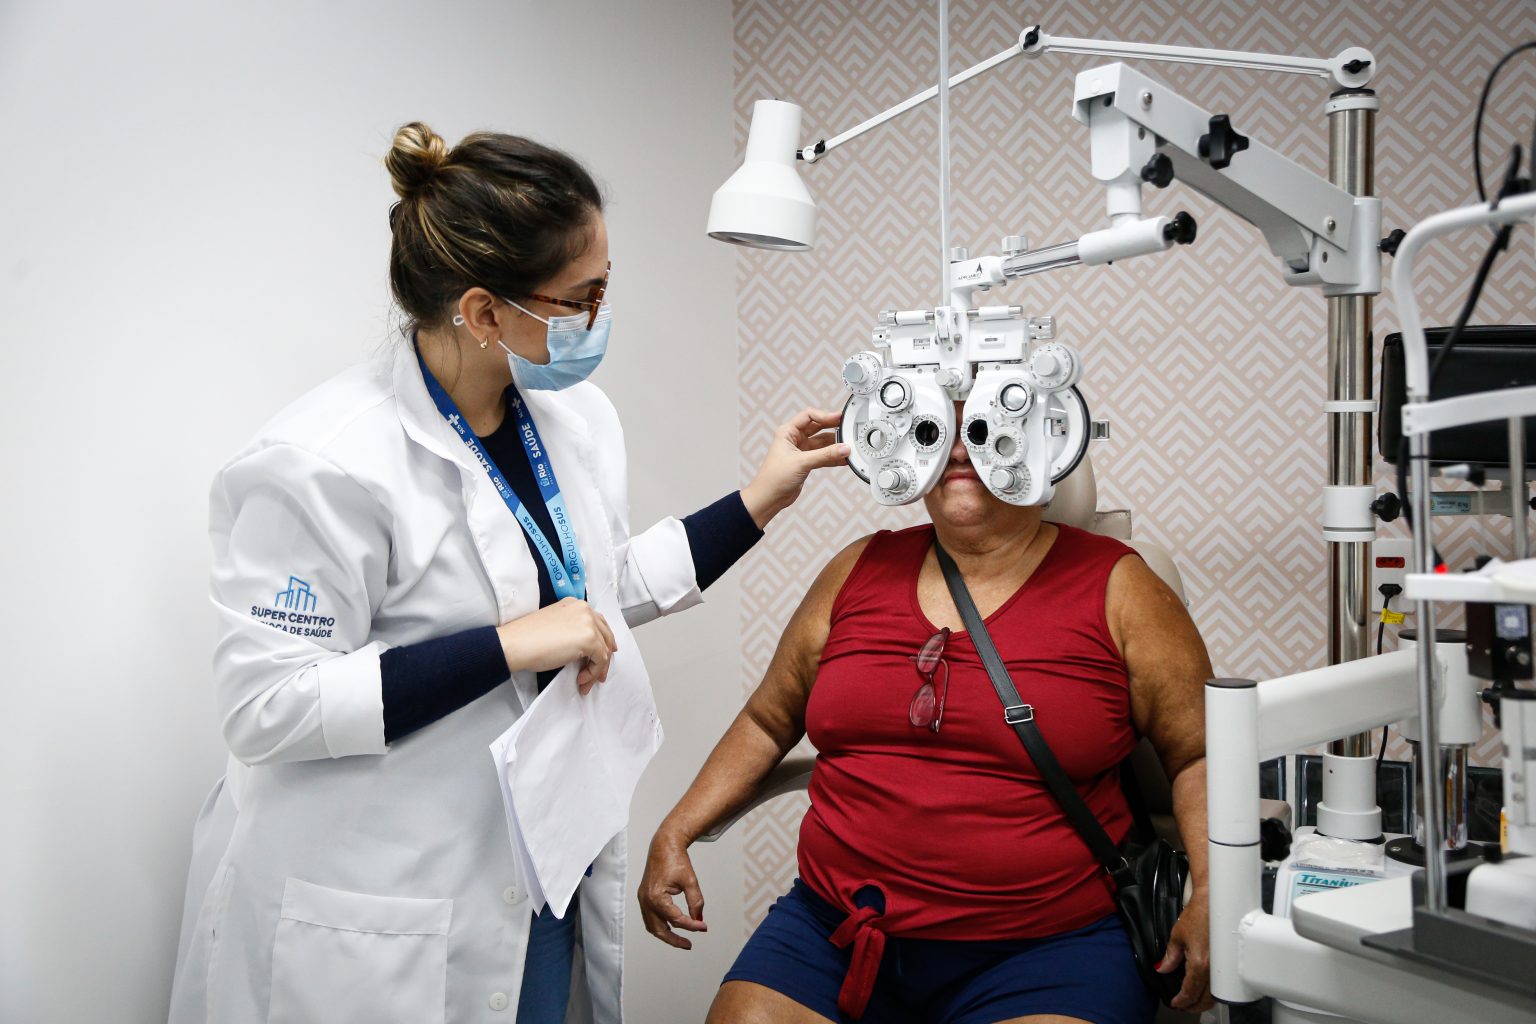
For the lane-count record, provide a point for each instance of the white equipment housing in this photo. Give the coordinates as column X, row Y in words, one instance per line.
column 1024, row 423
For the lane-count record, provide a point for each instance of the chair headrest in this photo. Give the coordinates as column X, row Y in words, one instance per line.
column 1076, row 499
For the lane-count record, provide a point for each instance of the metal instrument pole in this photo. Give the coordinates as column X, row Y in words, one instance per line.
column 1351, row 166
column 1519, row 500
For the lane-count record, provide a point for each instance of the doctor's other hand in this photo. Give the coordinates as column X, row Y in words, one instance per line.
column 668, row 871
column 804, row 444
column 553, row 637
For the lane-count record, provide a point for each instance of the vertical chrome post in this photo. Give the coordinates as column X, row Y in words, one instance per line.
column 1351, row 166
column 1431, row 824
column 1519, row 499
column 944, row 254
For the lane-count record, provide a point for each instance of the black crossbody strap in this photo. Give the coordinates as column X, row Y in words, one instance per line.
column 1022, row 717
column 1137, row 802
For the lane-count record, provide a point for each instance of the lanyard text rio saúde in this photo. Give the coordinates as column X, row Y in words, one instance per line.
column 567, row 575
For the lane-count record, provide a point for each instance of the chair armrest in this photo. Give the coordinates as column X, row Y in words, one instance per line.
column 793, row 773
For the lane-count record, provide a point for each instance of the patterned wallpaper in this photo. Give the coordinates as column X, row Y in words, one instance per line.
column 1210, row 369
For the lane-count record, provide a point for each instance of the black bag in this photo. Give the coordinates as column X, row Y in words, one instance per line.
column 1149, row 876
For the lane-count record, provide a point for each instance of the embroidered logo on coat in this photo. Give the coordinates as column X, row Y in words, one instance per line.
column 298, row 596
column 292, row 610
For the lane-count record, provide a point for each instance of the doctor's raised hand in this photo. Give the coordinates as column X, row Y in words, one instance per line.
column 799, row 447
column 403, row 560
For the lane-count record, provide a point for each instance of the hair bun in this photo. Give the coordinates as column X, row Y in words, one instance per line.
column 416, row 156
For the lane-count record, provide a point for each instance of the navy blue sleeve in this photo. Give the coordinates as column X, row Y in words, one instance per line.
column 423, row 682
column 426, row 681
column 719, row 535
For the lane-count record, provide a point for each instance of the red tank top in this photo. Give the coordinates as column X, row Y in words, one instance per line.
column 956, row 828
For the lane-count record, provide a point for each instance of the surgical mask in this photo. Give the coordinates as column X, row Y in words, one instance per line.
column 574, row 351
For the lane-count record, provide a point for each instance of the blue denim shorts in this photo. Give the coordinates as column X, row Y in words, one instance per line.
column 1088, row 973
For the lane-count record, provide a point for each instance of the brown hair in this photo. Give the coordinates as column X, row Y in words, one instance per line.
column 500, row 212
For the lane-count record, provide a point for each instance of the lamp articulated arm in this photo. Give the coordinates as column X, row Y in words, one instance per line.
column 1351, row 69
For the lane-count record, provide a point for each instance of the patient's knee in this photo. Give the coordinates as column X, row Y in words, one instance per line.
column 745, row 1002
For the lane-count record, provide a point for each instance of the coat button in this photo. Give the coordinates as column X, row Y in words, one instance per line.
column 498, row 1001
column 512, row 894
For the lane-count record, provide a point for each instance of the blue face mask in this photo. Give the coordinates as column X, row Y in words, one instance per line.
column 574, row 351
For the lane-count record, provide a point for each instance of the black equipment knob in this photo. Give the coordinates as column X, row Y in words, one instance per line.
column 1218, row 146
column 1274, row 839
column 1391, row 242
column 1158, row 171
column 1387, row 507
column 1180, row 230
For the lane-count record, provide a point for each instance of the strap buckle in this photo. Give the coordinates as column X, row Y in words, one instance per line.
column 1018, row 713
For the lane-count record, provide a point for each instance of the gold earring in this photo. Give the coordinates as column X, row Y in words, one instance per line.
column 485, row 343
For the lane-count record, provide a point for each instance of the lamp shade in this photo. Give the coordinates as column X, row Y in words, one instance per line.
column 764, row 204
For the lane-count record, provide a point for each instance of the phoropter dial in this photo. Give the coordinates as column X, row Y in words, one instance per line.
column 878, row 438
column 861, row 373
column 929, row 433
column 895, row 394
column 1009, row 480
column 1015, row 398
column 897, row 481
column 1055, row 366
column 1007, row 446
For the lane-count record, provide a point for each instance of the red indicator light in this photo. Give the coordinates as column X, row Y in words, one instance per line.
column 1391, row 562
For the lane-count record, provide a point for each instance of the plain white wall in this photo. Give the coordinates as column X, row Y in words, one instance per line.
column 193, row 232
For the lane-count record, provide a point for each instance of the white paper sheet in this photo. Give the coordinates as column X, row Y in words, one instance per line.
column 569, row 766
column 502, row 755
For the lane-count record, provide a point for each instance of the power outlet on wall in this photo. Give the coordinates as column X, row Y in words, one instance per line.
column 1389, row 564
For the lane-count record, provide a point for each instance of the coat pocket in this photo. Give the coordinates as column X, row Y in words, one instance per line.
column 343, row 957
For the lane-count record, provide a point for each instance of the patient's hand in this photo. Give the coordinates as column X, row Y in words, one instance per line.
column 668, row 871
column 1190, row 945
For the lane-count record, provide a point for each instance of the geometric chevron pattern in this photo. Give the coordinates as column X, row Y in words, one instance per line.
column 1211, row 370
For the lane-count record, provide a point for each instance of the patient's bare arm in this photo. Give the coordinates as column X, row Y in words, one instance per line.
column 767, row 728
column 1168, row 666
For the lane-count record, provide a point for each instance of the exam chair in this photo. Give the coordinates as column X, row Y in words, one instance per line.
column 1074, row 504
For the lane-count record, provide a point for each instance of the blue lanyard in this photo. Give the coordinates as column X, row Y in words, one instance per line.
column 568, row 576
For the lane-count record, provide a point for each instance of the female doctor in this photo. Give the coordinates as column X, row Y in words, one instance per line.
column 403, row 559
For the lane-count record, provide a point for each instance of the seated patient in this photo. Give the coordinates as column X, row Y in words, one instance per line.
column 939, row 880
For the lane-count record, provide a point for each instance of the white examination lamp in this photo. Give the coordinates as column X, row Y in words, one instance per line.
column 765, row 205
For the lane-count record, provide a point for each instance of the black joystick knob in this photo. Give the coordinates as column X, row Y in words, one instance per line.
column 1274, row 839
column 1158, row 171
column 1180, row 230
column 1219, row 144
column 1387, row 507
column 1391, row 242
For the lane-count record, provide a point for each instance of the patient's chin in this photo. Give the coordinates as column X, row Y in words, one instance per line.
column 963, row 502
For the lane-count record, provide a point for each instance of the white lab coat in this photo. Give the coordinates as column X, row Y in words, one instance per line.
column 333, row 878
